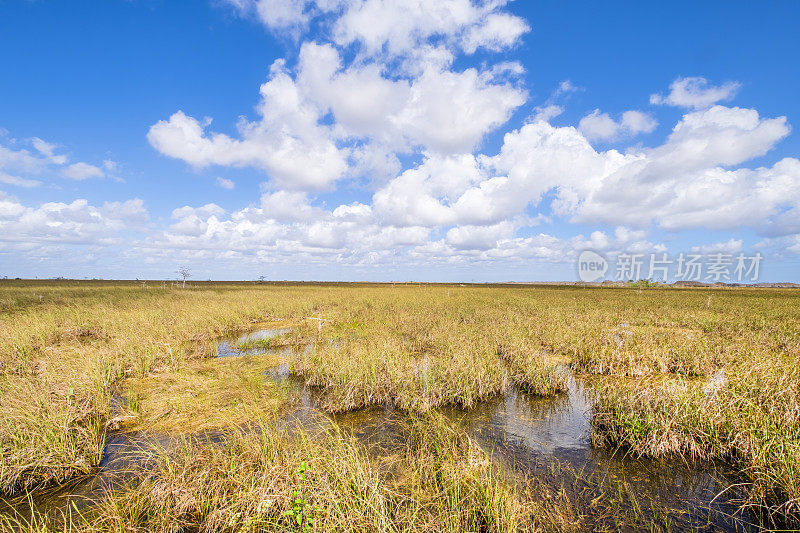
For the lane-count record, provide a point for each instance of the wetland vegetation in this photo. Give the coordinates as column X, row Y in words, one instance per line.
column 233, row 407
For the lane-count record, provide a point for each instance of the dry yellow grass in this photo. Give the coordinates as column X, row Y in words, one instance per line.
column 66, row 348
column 202, row 395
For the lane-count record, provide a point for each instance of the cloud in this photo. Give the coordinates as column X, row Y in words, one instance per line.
column 451, row 112
column 8, row 179
column 82, row 171
column 285, row 225
column 438, row 110
column 730, row 246
column 77, row 222
column 479, row 237
column 19, row 166
column 566, row 87
column 281, row 14
column 781, row 247
column 491, row 246
column 353, row 234
column 287, row 142
column 685, row 183
column 21, row 160
column 277, row 15
column 48, row 150
column 696, row 93
column 425, row 195
column 225, row 183
column 396, row 27
column 289, row 206
column 498, row 31
column 597, row 126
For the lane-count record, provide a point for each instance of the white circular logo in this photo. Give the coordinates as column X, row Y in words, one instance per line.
column 591, row 266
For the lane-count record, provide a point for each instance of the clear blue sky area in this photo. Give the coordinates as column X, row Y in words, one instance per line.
column 437, row 140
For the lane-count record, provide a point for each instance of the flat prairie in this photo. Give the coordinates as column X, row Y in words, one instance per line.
column 398, row 407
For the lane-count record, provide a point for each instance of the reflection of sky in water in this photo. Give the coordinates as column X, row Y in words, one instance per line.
column 285, row 355
column 540, row 424
column 531, row 433
column 229, row 347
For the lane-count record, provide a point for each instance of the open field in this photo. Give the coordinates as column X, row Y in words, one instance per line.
column 696, row 377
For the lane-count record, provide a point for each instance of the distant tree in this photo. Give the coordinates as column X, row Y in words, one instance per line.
column 261, row 279
column 184, row 273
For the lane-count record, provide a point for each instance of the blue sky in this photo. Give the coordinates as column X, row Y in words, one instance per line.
column 452, row 140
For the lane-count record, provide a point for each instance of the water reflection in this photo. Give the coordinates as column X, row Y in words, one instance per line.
column 540, row 425
column 248, row 343
column 549, row 438
column 125, row 456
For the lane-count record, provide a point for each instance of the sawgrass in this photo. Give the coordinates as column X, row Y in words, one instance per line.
column 202, row 395
column 68, row 350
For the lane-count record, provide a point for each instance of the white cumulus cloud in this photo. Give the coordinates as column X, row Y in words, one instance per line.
column 696, row 93
column 598, row 126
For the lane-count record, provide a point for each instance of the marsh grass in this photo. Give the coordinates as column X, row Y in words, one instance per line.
column 436, row 479
column 265, row 479
column 67, row 348
column 280, row 335
column 754, row 427
column 64, row 348
column 51, row 428
column 204, row 395
column 419, row 352
column 260, row 345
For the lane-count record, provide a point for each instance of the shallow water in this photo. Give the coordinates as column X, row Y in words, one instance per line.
column 124, row 455
column 550, row 438
column 230, row 347
column 544, row 437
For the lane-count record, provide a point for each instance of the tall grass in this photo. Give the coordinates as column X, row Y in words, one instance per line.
column 323, row 481
column 751, row 422
column 63, row 355
column 66, row 348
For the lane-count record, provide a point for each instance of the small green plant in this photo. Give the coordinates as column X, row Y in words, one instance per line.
column 258, row 344
column 132, row 401
column 302, row 512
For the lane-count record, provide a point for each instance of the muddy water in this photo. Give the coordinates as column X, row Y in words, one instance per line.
column 548, row 438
